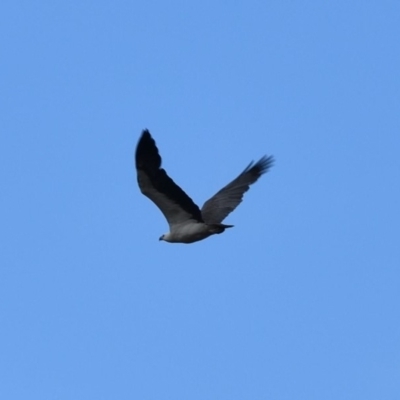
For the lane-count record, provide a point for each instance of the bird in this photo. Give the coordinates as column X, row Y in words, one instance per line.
column 187, row 222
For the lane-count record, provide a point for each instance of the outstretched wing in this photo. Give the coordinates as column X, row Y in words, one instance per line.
column 216, row 209
column 154, row 183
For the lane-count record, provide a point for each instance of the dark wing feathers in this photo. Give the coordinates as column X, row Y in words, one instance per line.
column 216, row 209
column 154, row 183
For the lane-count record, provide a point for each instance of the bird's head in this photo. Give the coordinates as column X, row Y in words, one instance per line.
column 166, row 237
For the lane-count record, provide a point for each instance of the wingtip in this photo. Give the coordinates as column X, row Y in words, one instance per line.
column 145, row 132
column 265, row 163
column 261, row 166
column 147, row 152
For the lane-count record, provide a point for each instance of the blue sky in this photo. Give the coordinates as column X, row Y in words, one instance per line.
column 300, row 300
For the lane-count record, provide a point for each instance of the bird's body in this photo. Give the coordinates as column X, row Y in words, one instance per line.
column 189, row 232
column 187, row 222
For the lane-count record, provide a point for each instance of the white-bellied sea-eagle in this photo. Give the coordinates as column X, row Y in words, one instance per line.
column 187, row 223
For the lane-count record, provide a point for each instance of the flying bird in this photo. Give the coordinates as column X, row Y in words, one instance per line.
column 187, row 223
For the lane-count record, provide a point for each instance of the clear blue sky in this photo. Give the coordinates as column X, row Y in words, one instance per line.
column 300, row 300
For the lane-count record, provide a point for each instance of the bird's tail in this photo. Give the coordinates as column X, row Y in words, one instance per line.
column 219, row 228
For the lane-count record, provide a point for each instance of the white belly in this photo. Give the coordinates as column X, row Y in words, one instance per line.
column 189, row 233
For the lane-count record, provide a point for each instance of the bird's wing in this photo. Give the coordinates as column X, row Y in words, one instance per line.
column 216, row 209
column 154, row 183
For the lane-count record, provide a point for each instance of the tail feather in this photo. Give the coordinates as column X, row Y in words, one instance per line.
column 218, row 228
